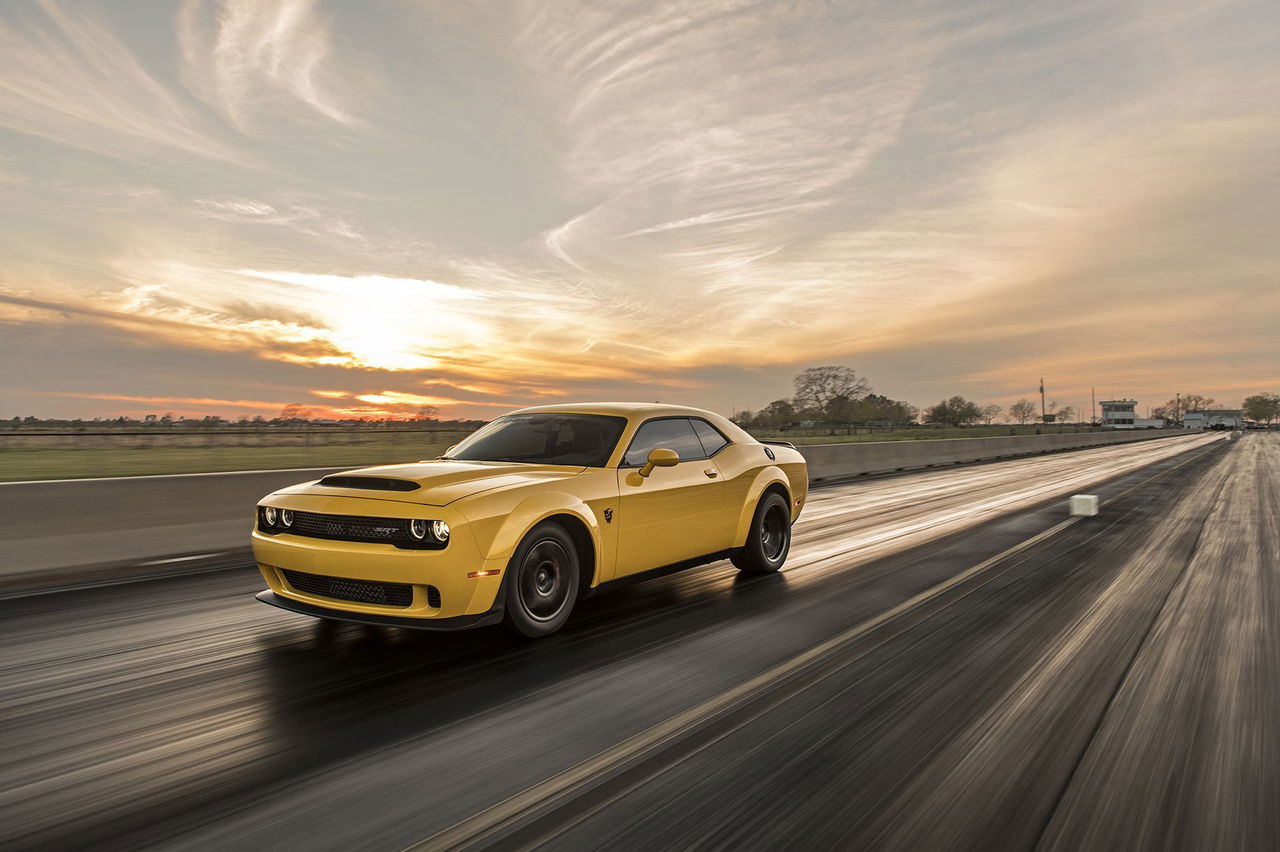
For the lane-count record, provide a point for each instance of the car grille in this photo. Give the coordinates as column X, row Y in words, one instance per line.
column 355, row 528
column 359, row 591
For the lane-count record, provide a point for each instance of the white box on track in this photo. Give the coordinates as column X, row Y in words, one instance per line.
column 1084, row 505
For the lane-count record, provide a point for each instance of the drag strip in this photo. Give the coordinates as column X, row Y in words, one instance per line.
column 182, row 709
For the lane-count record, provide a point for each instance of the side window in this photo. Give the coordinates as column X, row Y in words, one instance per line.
column 712, row 441
column 672, row 433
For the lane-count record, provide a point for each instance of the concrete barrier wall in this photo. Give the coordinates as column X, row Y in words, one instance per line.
column 842, row 461
column 47, row 527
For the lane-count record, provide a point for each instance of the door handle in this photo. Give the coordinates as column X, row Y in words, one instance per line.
column 711, row 472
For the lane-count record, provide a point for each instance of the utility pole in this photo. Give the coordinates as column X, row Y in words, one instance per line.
column 1177, row 408
column 1093, row 406
column 1042, row 411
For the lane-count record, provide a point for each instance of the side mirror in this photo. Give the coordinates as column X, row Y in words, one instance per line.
column 660, row 458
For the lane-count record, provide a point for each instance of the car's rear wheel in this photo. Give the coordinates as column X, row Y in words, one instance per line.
column 541, row 582
column 769, row 539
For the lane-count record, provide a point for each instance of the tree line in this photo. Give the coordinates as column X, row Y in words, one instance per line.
column 840, row 395
column 1262, row 407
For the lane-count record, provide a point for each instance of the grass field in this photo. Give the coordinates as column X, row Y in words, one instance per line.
column 19, row 464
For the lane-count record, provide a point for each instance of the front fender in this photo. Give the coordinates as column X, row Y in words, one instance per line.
column 532, row 510
column 764, row 477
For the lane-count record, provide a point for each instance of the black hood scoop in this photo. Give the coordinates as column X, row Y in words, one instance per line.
column 370, row 483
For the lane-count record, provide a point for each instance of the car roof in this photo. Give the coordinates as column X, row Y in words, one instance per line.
column 619, row 409
column 636, row 412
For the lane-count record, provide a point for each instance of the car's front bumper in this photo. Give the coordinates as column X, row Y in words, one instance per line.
column 447, row 570
column 458, row 622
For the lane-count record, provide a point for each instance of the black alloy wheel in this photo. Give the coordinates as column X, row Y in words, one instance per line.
column 769, row 539
column 542, row 582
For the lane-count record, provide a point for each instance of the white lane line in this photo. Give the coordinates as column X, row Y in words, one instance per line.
column 182, row 558
column 173, row 475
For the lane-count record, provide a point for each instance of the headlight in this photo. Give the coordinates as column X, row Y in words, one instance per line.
column 269, row 515
column 286, row 517
column 437, row 530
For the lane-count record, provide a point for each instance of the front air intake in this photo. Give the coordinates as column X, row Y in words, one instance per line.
column 370, row 483
column 344, row 589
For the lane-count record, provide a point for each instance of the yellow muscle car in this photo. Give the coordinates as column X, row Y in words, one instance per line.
column 531, row 512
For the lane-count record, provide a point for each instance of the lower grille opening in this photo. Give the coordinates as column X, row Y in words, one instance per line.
column 433, row 597
column 359, row 591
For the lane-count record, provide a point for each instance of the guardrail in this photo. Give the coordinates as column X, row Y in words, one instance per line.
column 52, row 527
column 829, row 462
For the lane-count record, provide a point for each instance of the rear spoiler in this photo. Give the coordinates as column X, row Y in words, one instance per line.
column 780, row 444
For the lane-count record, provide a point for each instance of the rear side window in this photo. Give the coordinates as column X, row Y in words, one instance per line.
column 670, row 433
column 712, row 441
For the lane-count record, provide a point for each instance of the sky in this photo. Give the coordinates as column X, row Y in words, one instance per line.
column 368, row 207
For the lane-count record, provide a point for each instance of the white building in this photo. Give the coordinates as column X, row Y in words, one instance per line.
column 1214, row 418
column 1121, row 414
column 1118, row 413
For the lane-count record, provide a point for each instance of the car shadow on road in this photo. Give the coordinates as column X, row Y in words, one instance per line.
column 332, row 690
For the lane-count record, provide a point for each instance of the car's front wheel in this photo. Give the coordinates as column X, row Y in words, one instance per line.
column 769, row 539
column 541, row 582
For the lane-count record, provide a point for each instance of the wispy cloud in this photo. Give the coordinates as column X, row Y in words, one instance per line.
column 68, row 77
column 246, row 57
column 700, row 156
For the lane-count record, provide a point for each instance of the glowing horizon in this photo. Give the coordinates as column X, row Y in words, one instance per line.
column 227, row 207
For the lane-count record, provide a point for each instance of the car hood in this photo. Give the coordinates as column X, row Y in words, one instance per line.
column 439, row 482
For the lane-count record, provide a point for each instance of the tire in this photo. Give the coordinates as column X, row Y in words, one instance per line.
column 769, row 539
column 542, row 582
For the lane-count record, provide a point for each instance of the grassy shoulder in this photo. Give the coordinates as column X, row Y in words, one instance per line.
column 25, row 465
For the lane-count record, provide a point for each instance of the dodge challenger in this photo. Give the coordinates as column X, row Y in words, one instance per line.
column 528, row 514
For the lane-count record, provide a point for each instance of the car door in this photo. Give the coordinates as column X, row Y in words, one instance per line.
column 675, row 513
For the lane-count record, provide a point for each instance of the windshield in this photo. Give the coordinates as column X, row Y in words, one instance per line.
column 585, row 440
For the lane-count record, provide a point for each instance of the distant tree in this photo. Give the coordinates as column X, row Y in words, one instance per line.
column 428, row 412
column 1065, row 413
column 294, row 411
column 780, row 412
column 841, row 409
column 990, row 412
column 1174, row 409
column 955, row 411
column 1262, row 407
column 1196, row 402
column 878, row 408
column 745, row 418
column 1022, row 411
column 818, row 387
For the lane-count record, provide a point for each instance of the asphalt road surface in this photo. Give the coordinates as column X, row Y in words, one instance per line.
column 947, row 662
